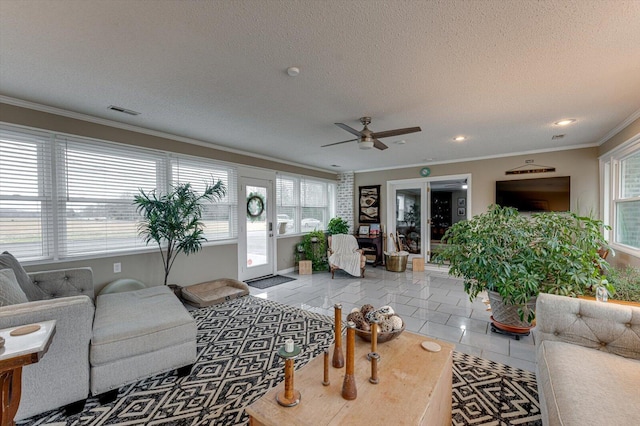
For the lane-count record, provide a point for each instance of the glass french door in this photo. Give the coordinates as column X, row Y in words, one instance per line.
column 256, row 236
column 421, row 211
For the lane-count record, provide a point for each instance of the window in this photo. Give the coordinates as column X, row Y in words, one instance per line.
column 621, row 194
column 305, row 204
column 26, row 206
column 96, row 185
column 287, row 204
column 63, row 197
column 220, row 217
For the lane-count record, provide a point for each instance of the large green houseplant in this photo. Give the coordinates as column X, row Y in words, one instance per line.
column 515, row 257
column 314, row 247
column 337, row 225
column 174, row 220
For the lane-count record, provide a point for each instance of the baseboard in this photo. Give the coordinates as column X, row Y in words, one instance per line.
column 288, row 270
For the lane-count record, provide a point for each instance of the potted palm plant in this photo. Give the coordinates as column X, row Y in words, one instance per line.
column 514, row 257
column 173, row 220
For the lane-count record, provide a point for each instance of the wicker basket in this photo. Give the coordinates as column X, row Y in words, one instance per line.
column 396, row 263
column 382, row 337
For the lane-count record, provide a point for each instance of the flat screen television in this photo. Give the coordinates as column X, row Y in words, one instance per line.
column 535, row 195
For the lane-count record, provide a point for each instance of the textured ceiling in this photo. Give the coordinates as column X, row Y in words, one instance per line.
column 498, row 72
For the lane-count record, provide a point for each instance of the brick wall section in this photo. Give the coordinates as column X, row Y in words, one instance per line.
column 344, row 202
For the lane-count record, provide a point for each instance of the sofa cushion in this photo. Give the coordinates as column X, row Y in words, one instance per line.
column 10, row 291
column 7, row 261
column 138, row 322
column 579, row 383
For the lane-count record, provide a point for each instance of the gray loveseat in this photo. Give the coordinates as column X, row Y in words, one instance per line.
column 588, row 357
column 99, row 345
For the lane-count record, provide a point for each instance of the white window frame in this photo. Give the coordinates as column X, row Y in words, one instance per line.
column 299, row 203
column 610, row 191
column 52, row 175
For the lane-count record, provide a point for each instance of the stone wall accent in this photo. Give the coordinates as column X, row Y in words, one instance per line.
column 344, row 201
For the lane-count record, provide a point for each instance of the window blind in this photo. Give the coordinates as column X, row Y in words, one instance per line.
column 96, row 186
column 287, row 203
column 220, row 217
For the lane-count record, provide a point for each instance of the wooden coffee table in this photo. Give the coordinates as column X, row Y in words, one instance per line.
column 414, row 389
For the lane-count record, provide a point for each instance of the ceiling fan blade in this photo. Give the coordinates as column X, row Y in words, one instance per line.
column 396, row 132
column 349, row 129
column 379, row 145
column 338, row 143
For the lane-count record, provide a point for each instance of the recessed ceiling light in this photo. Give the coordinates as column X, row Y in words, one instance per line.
column 401, row 142
column 335, row 165
column 293, row 71
column 427, row 159
column 459, row 138
column 565, row 122
column 556, row 137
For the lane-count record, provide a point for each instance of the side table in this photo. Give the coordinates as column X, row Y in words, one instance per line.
column 17, row 352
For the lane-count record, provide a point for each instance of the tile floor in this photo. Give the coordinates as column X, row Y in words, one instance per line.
column 430, row 303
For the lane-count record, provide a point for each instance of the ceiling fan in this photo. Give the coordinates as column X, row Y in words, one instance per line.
column 368, row 139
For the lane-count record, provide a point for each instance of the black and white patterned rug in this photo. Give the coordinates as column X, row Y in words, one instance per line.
column 237, row 364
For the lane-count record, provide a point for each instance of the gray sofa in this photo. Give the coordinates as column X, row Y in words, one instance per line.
column 97, row 348
column 588, row 356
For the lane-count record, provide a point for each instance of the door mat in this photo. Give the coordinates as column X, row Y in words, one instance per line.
column 267, row 282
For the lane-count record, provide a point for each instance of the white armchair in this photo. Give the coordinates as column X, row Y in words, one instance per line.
column 345, row 254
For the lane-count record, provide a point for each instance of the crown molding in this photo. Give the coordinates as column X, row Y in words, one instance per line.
column 633, row 117
column 112, row 123
column 486, row 157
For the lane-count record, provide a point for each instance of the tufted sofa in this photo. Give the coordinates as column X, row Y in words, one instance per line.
column 100, row 344
column 588, row 356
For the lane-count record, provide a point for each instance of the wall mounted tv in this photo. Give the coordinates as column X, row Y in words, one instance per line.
column 535, row 195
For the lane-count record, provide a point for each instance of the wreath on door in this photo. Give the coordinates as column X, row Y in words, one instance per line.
column 255, row 206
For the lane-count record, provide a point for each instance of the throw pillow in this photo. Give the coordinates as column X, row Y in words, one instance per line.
column 10, row 291
column 7, row 261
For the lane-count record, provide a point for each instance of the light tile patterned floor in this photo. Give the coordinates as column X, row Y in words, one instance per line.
column 430, row 303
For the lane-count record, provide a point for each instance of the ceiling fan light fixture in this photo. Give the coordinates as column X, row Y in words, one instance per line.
column 366, row 144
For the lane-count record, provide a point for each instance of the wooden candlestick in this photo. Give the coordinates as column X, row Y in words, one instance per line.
column 349, row 391
column 338, row 357
column 374, row 338
column 374, row 357
column 326, row 382
column 289, row 397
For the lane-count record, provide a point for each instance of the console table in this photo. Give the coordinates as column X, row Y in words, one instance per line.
column 18, row 352
column 375, row 241
column 414, row 389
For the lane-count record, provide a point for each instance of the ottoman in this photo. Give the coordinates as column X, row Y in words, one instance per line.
column 212, row 292
column 137, row 334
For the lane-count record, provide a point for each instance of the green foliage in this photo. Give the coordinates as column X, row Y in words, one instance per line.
column 173, row 220
column 624, row 284
column 519, row 256
column 337, row 225
column 314, row 245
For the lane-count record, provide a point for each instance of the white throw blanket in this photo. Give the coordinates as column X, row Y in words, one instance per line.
column 345, row 255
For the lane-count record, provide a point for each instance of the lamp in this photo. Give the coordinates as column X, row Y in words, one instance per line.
column 366, row 143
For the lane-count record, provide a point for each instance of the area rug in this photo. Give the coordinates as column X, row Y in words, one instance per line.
column 237, row 364
column 263, row 283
